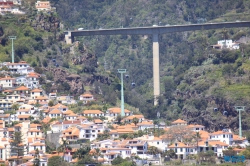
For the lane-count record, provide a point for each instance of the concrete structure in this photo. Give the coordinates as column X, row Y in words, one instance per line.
column 155, row 31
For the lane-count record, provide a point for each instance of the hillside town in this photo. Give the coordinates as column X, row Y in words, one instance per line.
column 31, row 119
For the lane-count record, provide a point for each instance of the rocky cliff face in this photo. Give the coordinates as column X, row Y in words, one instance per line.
column 62, row 76
column 45, row 21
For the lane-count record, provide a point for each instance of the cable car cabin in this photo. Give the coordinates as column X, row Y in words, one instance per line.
column 225, row 113
column 215, row 109
column 57, row 65
column 53, row 60
column 126, row 76
column 133, row 84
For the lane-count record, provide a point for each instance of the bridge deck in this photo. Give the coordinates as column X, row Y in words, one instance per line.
column 159, row 29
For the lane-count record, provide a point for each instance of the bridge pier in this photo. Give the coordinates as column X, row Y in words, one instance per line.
column 156, row 69
column 69, row 39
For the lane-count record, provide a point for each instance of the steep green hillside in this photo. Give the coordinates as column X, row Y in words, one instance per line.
column 194, row 78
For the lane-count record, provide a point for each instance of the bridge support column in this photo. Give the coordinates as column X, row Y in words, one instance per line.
column 68, row 38
column 156, row 70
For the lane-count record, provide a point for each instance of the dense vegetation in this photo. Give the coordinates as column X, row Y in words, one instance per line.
column 194, row 78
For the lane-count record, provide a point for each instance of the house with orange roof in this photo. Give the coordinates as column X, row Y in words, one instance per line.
column 196, row 128
column 179, row 122
column 71, row 116
column 153, row 141
column 32, row 79
column 90, row 130
column 146, row 124
column 52, row 95
column 63, row 125
column 36, row 93
column 34, row 133
column 182, row 150
column 60, row 107
column 55, row 113
column 7, row 82
column 5, row 117
column 86, row 97
column 93, row 113
column 72, row 133
column 43, row 5
column 14, row 98
column 113, row 112
column 20, row 68
column 242, row 142
column 22, row 90
column 224, row 135
column 131, row 117
column 36, row 143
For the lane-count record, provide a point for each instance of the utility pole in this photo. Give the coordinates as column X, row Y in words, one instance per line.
column 12, row 38
column 239, row 109
column 105, row 65
column 158, row 116
column 122, row 71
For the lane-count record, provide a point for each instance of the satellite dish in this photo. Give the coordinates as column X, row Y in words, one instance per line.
column 126, row 76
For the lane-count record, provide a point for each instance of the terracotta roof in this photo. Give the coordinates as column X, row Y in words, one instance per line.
column 21, row 88
column 179, row 121
column 55, row 111
column 38, row 144
column 41, row 98
column 145, row 122
column 59, row 106
column 179, row 145
column 98, row 121
column 87, row 95
column 46, row 119
column 219, row 133
column 134, row 116
column 92, row 112
column 36, row 90
column 7, row 78
column 23, row 116
column 117, row 110
column 237, row 138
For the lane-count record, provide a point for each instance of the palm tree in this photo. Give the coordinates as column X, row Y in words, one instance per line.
column 155, row 123
column 197, row 137
column 36, row 160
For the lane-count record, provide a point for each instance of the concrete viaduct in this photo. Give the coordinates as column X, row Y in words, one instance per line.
column 155, row 31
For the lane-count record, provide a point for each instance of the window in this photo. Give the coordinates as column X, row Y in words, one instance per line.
column 31, row 133
column 157, row 143
column 37, row 133
column 223, row 135
column 41, row 147
column 181, row 149
column 175, row 150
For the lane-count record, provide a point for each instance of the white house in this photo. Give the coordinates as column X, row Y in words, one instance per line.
column 113, row 112
column 225, row 136
column 7, row 82
column 21, row 68
column 229, row 44
column 43, row 5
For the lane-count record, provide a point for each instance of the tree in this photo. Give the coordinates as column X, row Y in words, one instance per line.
column 197, row 138
column 153, row 150
column 179, row 133
column 51, row 103
column 56, row 161
column 36, row 161
column 16, row 146
column 118, row 160
column 229, row 152
column 81, row 152
column 170, row 153
column 135, row 120
column 119, row 119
